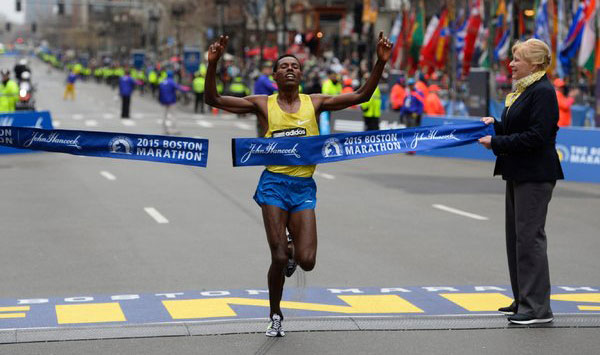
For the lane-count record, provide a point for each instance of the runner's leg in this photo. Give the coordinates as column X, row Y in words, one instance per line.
column 275, row 220
column 303, row 227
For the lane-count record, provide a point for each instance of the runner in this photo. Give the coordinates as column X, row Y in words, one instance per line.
column 287, row 194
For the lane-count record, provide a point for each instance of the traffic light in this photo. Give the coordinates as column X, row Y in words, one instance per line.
column 18, row 5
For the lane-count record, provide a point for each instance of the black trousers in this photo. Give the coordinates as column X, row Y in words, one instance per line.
column 199, row 100
column 526, row 209
column 371, row 123
column 126, row 100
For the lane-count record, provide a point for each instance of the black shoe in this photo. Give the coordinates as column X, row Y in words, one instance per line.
column 525, row 319
column 510, row 310
column 291, row 265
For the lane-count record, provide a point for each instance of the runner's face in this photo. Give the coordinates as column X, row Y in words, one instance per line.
column 288, row 72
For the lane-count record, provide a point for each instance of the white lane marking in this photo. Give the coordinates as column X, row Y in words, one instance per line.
column 108, row 175
column 127, row 122
column 91, row 123
column 108, row 116
column 159, row 218
column 348, row 126
column 159, row 121
column 244, row 126
column 55, row 124
column 459, row 212
column 77, row 116
column 205, row 124
column 325, row 175
column 138, row 115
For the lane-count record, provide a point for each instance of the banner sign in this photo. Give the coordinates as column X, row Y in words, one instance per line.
column 191, row 59
column 163, row 149
column 139, row 58
column 354, row 145
column 578, row 150
column 39, row 119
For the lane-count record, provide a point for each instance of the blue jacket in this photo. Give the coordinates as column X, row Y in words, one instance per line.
column 264, row 86
column 167, row 92
column 413, row 103
column 126, row 85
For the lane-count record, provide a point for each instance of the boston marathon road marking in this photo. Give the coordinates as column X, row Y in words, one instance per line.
column 108, row 175
column 159, row 218
column 416, row 302
column 325, row 175
column 459, row 212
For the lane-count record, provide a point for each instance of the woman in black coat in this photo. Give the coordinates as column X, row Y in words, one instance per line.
column 524, row 145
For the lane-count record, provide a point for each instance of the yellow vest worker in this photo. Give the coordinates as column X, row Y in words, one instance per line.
column 198, row 84
column 9, row 94
column 372, row 111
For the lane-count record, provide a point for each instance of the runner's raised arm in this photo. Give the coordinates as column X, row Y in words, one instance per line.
column 211, row 96
column 363, row 94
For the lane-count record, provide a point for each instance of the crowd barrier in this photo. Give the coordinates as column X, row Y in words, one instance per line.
column 578, row 149
column 35, row 119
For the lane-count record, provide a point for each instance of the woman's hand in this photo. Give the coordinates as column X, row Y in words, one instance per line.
column 486, row 141
column 487, row 120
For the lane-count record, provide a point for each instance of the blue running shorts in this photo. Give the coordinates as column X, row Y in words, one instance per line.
column 290, row 193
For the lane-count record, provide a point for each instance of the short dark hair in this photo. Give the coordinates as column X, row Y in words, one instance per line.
column 283, row 56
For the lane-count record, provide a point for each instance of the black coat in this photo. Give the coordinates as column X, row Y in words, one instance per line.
column 525, row 138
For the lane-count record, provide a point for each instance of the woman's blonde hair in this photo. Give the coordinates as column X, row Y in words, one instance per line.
column 534, row 51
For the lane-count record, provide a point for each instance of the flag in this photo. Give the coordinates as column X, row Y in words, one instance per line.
column 417, row 35
column 560, row 12
column 432, row 53
column 473, row 25
column 502, row 47
column 500, row 22
column 542, row 28
column 459, row 40
column 588, row 41
column 397, row 37
column 572, row 42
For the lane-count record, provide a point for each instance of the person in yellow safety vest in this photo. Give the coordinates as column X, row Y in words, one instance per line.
column 9, row 93
column 153, row 80
column 141, row 81
column 237, row 88
column 332, row 86
column 372, row 111
column 162, row 76
column 201, row 70
column 198, row 86
column 98, row 74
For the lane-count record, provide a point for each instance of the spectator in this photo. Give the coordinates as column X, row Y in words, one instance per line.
column 126, row 86
column 433, row 104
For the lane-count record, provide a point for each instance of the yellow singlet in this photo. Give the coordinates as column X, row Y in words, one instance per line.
column 298, row 124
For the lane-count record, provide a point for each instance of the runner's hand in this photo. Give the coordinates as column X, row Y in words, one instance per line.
column 384, row 47
column 216, row 50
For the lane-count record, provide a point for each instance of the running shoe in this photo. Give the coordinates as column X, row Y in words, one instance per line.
column 275, row 328
column 291, row 265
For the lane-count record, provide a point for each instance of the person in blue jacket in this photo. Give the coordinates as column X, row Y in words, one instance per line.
column 126, row 86
column 167, row 96
column 413, row 105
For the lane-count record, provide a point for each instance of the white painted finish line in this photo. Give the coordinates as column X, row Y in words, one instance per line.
column 205, row 124
column 159, row 218
column 243, row 126
column 459, row 212
column 108, row 175
column 91, row 123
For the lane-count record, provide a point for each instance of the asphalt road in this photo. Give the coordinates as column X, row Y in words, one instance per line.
column 74, row 226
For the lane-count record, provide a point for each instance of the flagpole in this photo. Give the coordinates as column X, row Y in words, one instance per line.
column 451, row 5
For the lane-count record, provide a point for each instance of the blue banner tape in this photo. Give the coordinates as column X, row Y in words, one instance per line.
column 163, row 149
column 344, row 146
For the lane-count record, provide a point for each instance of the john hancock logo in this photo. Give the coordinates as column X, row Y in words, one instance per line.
column 120, row 145
column 332, row 148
